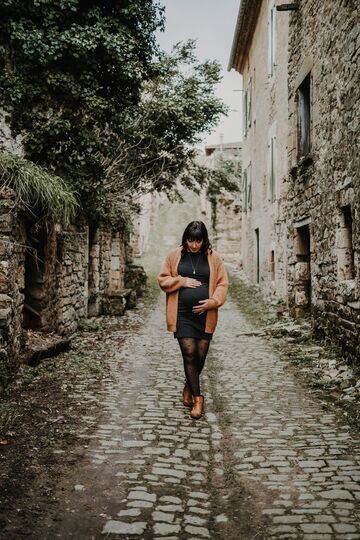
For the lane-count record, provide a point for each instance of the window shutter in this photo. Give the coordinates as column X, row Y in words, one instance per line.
column 245, row 111
column 249, row 201
column 249, row 103
column 272, row 170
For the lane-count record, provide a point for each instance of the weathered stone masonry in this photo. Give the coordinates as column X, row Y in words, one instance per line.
column 12, row 279
column 324, row 185
column 51, row 278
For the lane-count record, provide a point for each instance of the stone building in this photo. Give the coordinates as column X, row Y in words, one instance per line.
column 224, row 213
column 300, row 68
column 324, row 183
column 52, row 277
column 259, row 54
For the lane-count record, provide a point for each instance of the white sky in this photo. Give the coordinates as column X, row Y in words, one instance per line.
column 212, row 24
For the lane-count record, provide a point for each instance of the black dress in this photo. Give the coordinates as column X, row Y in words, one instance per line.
column 191, row 324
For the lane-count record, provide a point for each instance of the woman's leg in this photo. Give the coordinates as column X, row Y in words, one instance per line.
column 202, row 350
column 189, row 353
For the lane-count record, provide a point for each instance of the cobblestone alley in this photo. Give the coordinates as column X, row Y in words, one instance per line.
column 264, row 462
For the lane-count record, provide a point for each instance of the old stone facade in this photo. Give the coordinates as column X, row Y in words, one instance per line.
column 224, row 213
column 324, row 183
column 51, row 278
column 259, row 54
column 144, row 222
column 300, row 66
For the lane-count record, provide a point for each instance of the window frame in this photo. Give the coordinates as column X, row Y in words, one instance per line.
column 304, row 117
column 272, row 175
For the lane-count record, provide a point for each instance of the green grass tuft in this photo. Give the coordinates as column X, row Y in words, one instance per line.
column 36, row 189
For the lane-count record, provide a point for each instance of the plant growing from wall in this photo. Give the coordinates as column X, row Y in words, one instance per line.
column 37, row 191
column 98, row 103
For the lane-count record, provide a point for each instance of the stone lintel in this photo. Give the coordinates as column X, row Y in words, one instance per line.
column 302, row 223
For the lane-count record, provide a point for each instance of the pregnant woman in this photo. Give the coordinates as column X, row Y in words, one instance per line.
column 195, row 281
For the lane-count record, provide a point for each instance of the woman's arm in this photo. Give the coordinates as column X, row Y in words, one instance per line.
column 221, row 285
column 167, row 282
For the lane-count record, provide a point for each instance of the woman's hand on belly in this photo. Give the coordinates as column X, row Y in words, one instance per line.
column 203, row 306
column 192, row 283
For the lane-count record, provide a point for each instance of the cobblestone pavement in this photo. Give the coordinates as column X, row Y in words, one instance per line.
column 265, row 462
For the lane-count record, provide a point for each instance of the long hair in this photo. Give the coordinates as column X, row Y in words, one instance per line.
column 196, row 230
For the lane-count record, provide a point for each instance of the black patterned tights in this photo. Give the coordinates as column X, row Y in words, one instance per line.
column 194, row 353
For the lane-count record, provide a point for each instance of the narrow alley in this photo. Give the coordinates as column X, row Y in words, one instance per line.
column 164, row 165
column 265, row 461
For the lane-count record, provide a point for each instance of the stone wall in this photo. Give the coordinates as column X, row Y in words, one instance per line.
column 51, row 278
column 225, row 212
column 12, row 282
column 264, row 144
column 71, row 271
column 324, row 190
column 227, row 223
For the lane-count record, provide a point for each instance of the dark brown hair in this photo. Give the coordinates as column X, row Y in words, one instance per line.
column 196, row 230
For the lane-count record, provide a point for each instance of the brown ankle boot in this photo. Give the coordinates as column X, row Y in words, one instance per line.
column 198, row 407
column 187, row 396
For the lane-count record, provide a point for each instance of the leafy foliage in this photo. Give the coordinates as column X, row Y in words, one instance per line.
column 69, row 70
column 225, row 177
column 37, row 190
column 156, row 150
column 98, row 103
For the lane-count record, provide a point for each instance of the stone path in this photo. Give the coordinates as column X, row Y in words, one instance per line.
column 266, row 462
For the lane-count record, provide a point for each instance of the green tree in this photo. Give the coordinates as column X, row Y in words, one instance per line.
column 96, row 101
column 157, row 148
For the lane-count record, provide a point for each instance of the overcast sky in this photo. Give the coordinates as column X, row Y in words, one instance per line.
column 212, row 24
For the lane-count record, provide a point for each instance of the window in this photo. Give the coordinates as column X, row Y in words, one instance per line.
column 345, row 250
column 247, row 98
column 271, row 41
column 304, row 117
column 272, row 265
column 272, row 170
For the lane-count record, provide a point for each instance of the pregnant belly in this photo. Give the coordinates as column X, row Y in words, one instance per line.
column 189, row 297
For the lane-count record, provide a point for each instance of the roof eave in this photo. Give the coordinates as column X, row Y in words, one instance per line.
column 244, row 31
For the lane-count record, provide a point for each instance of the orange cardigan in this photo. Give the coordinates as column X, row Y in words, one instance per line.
column 171, row 282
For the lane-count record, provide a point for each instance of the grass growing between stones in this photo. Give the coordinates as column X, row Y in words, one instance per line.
column 308, row 357
column 251, row 302
column 249, row 522
column 45, row 409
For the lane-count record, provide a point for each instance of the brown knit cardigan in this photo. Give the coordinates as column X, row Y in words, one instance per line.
column 171, row 282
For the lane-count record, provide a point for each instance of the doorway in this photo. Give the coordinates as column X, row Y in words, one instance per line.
column 35, row 301
column 303, row 292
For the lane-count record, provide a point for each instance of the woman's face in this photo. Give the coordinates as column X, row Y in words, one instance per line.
column 194, row 245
